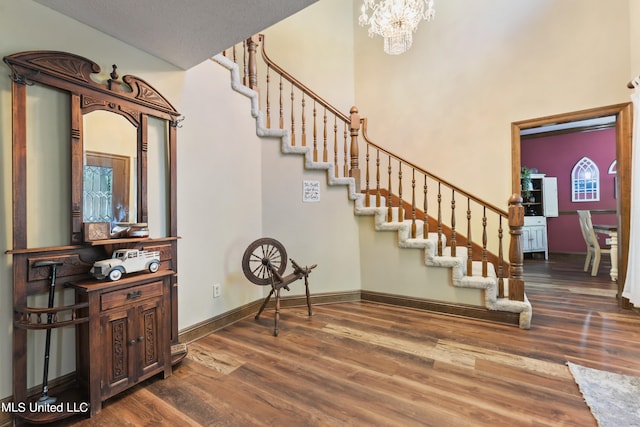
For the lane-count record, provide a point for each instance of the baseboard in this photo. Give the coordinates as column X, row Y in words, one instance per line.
column 460, row 310
column 569, row 254
column 318, row 299
column 208, row 326
column 628, row 305
column 218, row 322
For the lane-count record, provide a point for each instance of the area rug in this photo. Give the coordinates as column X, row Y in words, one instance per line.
column 614, row 399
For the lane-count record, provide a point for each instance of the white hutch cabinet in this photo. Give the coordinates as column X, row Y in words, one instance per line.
column 540, row 202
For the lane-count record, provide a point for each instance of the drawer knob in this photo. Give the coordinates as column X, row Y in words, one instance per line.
column 132, row 342
column 134, row 294
column 140, row 339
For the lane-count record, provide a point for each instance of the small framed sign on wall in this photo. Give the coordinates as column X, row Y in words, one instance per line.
column 310, row 191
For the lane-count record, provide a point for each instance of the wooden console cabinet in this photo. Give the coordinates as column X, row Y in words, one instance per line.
column 127, row 337
column 124, row 329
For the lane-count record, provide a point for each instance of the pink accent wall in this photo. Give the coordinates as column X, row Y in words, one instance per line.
column 556, row 156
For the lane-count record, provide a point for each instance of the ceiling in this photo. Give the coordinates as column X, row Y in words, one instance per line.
column 568, row 127
column 182, row 32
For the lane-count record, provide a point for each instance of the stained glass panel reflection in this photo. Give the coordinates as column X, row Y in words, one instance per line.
column 98, row 194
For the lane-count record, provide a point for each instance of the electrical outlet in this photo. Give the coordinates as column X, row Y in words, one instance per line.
column 216, row 290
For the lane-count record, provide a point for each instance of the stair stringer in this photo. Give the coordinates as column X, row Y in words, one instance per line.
column 457, row 263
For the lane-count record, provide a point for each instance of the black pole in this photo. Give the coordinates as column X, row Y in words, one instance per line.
column 45, row 399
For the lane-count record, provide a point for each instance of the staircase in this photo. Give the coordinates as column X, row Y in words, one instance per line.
column 382, row 197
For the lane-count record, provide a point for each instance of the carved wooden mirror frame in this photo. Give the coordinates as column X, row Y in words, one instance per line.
column 132, row 98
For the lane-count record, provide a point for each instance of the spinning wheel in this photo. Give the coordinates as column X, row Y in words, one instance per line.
column 261, row 257
column 264, row 262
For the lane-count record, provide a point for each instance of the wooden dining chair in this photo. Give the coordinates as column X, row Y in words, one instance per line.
column 594, row 250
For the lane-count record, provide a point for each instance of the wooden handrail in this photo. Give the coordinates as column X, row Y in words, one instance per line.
column 299, row 85
column 430, row 175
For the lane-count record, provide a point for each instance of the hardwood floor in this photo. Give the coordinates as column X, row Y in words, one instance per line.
column 366, row 364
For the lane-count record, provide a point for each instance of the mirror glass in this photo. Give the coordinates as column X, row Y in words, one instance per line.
column 158, row 177
column 110, row 168
column 48, row 194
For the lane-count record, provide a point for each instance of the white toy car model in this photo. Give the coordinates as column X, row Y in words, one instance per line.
column 125, row 261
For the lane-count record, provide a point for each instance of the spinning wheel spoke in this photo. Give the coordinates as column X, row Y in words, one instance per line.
column 260, row 271
column 272, row 254
column 270, row 251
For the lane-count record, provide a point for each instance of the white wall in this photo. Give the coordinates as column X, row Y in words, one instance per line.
column 315, row 46
column 634, row 26
column 447, row 103
column 323, row 233
column 219, row 196
column 387, row 268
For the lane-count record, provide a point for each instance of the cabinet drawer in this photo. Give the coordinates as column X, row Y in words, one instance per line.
column 122, row 297
column 534, row 220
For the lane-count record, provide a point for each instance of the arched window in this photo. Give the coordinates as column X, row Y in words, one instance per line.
column 585, row 181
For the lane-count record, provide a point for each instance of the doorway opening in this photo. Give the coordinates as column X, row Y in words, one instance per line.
column 620, row 114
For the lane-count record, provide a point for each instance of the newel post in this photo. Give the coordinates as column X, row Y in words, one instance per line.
column 251, row 74
column 354, row 172
column 516, row 254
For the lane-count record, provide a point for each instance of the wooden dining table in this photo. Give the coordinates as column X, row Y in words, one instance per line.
column 612, row 232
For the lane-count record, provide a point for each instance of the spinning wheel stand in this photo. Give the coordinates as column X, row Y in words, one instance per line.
column 264, row 263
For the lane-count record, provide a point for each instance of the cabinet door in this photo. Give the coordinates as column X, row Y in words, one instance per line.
column 550, row 196
column 132, row 345
column 150, row 340
column 118, row 367
column 526, row 239
column 538, row 238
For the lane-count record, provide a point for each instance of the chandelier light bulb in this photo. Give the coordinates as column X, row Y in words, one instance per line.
column 395, row 21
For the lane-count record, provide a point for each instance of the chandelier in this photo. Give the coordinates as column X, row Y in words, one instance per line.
column 395, row 20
